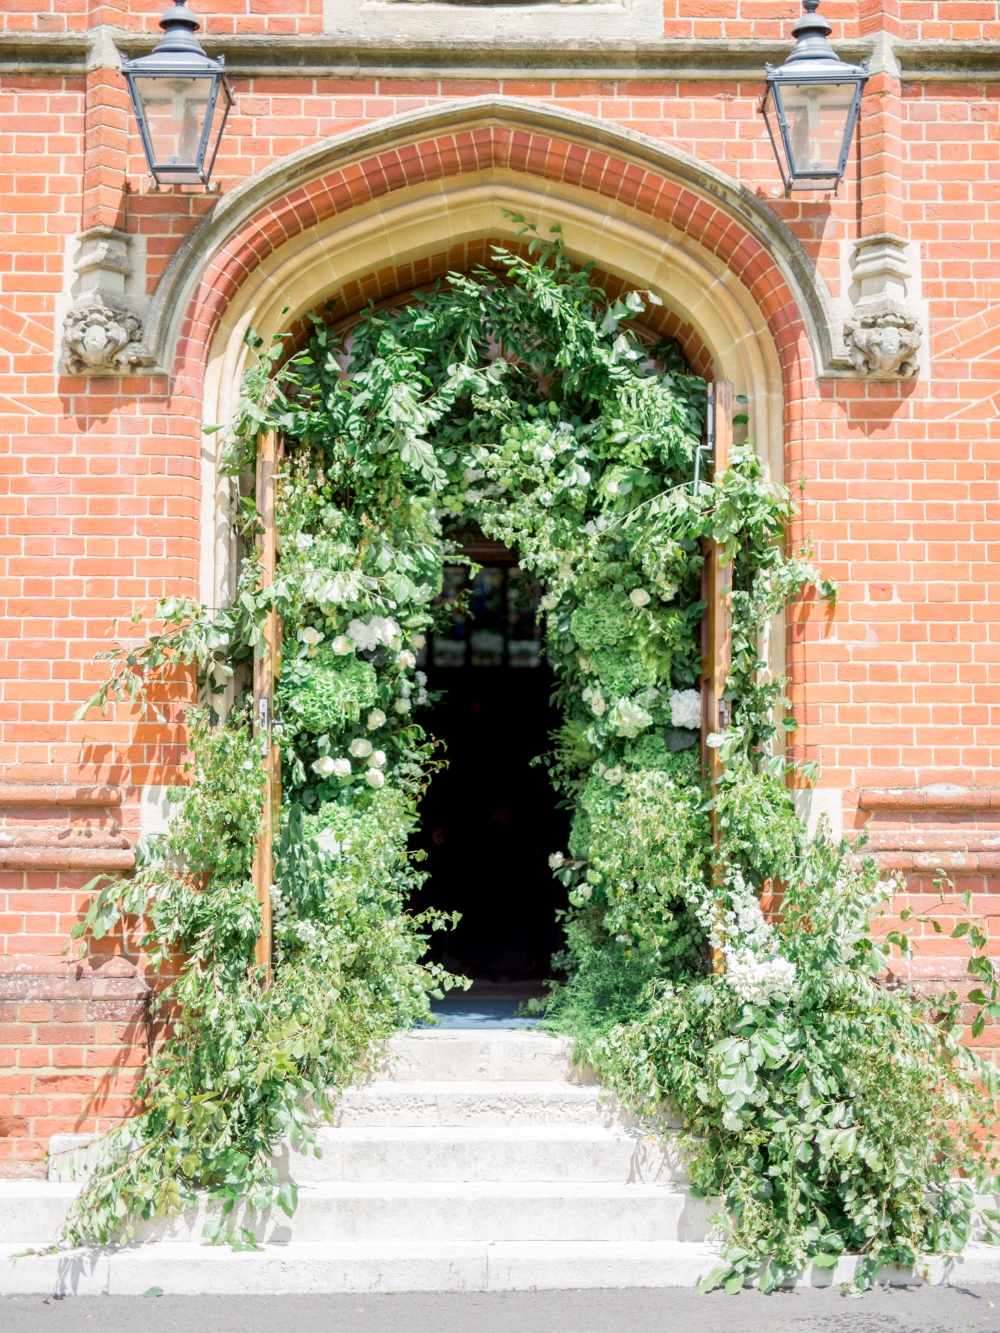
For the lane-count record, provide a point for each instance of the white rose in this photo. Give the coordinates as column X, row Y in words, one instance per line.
column 376, row 719
column 374, row 777
column 613, row 775
column 631, row 717
column 402, row 705
column 418, row 641
column 406, row 660
column 342, row 768
column 556, row 860
column 303, row 540
column 342, row 645
column 639, row 597
column 310, row 636
column 324, row 767
column 377, row 760
column 360, row 748
column 685, row 709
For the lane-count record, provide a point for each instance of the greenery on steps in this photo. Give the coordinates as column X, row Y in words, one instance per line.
column 829, row 1112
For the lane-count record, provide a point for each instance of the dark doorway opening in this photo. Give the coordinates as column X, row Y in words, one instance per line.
column 490, row 821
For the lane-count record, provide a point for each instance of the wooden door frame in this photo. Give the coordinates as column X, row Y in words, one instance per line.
column 716, row 647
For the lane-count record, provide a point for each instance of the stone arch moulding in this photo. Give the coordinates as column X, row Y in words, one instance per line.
column 380, row 202
column 453, row 139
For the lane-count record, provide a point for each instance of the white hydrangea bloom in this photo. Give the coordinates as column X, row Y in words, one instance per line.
column 360, row 747
column 304, row 540
column 685, row 709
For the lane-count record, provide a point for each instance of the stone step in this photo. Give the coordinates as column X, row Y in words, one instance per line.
column 31, row 1211
column 190, row 1269
column 477, row 1103
column 469, row 1055
column 193, row 1270
column 498, row 1152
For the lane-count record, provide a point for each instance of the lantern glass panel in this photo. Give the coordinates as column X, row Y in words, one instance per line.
column 175, row 111
column 817, row 115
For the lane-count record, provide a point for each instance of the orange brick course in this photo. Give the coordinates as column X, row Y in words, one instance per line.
column 898, row 689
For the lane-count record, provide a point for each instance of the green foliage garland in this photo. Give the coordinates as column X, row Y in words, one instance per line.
column 828, row 1113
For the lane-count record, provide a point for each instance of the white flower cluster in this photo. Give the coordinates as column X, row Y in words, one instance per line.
column 754, row 966
column 595, row 698
column 685, row 709
column 362, row 749
column 367, row 635
column 759, row 980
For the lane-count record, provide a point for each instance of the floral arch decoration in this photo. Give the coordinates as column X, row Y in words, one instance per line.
column 828, row 1113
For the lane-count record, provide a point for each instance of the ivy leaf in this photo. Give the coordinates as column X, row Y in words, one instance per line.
column 714, row 1279
column 288, row 1197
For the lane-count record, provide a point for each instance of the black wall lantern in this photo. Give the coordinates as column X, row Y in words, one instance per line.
column 181, row 101
column 811, row 107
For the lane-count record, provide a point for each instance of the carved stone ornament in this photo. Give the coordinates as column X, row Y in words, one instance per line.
column 883, row 340
column 102, row 339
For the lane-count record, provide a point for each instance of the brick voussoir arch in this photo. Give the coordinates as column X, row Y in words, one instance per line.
column 494, row 147
column 539, row 142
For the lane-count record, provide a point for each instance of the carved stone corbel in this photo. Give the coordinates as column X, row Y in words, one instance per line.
column 102, row 334
column 883, row 335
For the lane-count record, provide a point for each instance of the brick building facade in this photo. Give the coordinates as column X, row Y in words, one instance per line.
column 372, row 147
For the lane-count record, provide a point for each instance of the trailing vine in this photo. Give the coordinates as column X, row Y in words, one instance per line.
column 826, row 1112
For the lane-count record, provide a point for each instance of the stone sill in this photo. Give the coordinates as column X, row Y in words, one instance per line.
column 959, row 800
column 57, row 794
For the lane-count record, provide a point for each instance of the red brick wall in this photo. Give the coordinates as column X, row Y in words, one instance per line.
column 99, row 482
